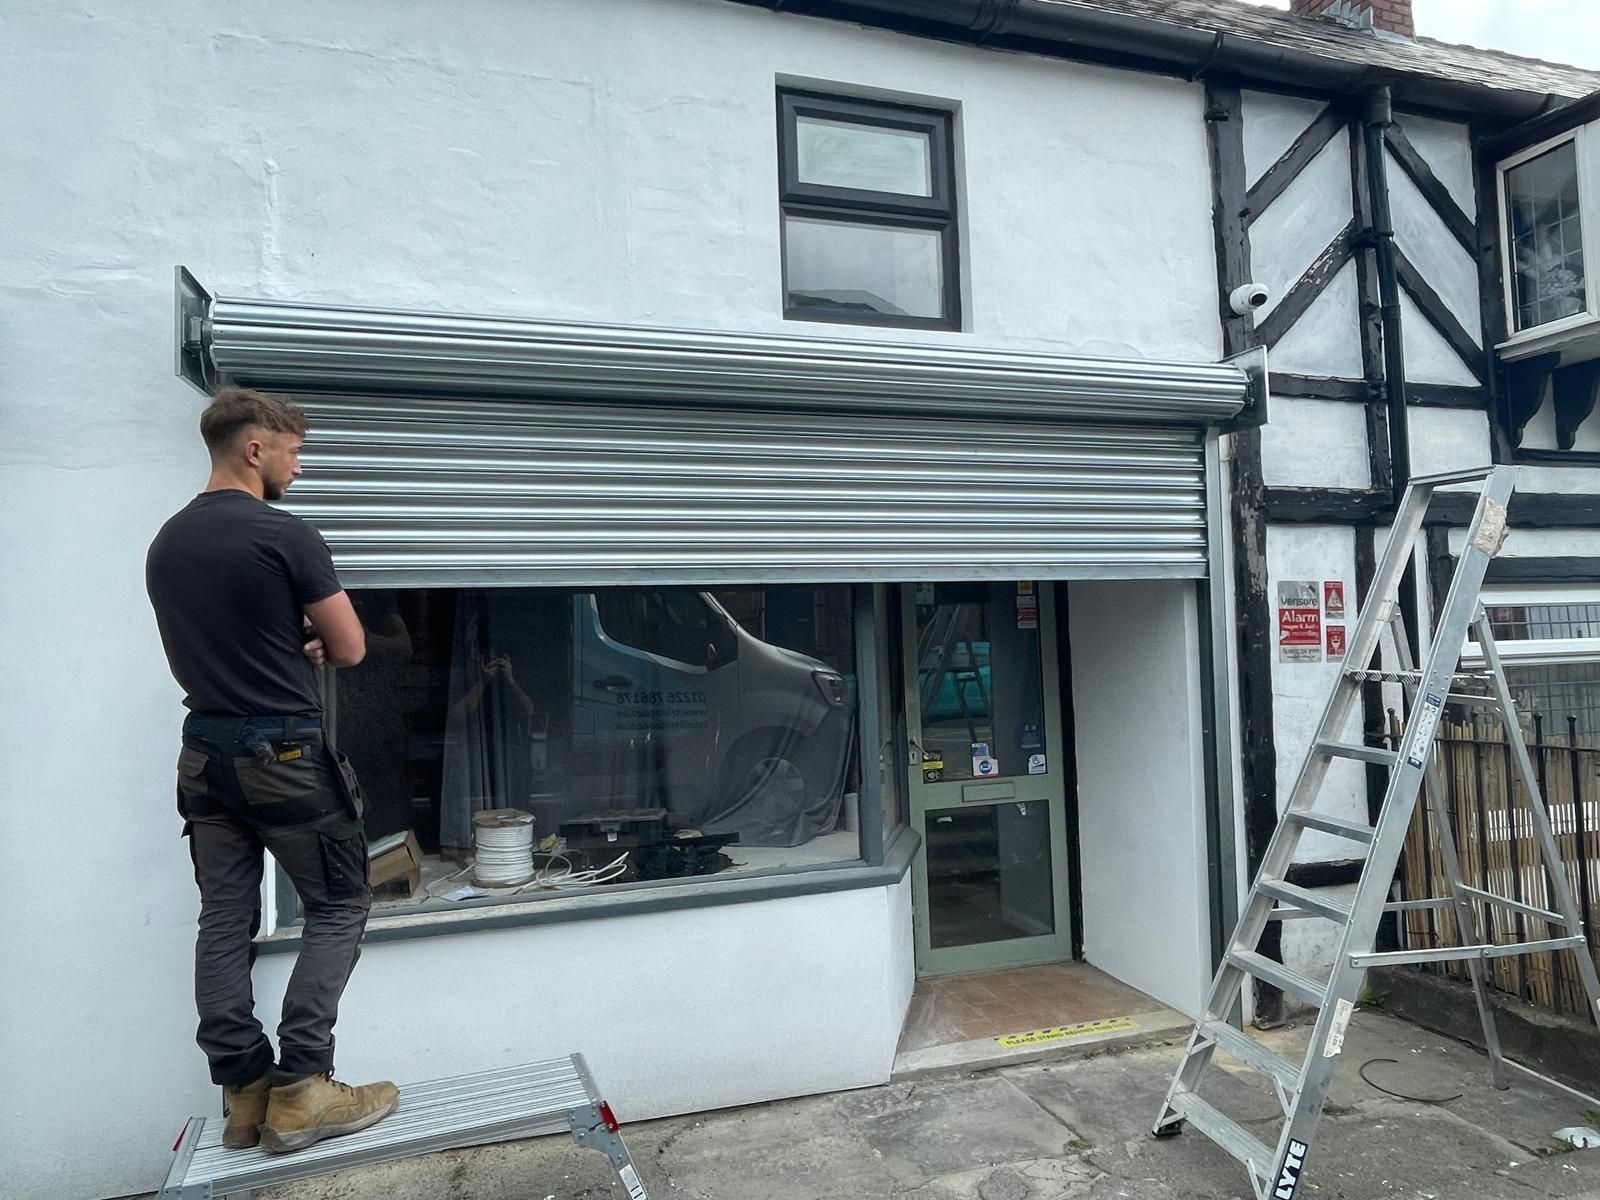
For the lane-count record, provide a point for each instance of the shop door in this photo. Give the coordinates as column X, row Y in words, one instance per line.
column 986, row 776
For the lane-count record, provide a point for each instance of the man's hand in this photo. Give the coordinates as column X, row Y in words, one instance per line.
column 316, row 652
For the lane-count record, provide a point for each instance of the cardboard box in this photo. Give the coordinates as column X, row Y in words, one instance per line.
column 395, row 857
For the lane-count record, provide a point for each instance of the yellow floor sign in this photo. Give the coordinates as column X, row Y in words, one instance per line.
column 1064, row 1033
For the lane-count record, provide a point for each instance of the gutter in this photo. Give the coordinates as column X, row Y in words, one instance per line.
column 1545, row 125
column 1064, row 30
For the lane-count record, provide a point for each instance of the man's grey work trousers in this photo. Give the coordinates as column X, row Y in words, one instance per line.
column 248, row 784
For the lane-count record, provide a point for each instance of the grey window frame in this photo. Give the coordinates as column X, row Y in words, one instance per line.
column 936, row 212
column 885, row 856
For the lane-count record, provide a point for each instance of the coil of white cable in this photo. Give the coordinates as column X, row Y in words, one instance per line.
column 503, row 839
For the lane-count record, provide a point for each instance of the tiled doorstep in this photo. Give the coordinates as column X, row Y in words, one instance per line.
column 980, row 1054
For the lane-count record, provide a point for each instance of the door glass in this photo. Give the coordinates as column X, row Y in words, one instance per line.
column 980, row 682
column 989, row 874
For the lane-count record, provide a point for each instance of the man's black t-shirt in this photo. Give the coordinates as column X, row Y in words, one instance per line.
column 229, row 577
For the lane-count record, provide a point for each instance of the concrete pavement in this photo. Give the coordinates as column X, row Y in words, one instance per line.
column 1058, row 1130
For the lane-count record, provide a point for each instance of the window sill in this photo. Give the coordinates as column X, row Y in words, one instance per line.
column 1558, row 335
column 638, row 899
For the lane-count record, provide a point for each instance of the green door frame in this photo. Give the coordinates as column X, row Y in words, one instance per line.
column 1048, row 789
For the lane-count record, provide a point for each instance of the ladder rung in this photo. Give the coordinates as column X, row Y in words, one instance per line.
column 1224, row 1131
column 1480, row 701
column 1470, row 475
column 1395, row 958
column 1415, row 677
column 1542, row 914
column 1371, row 754
column 1279, row 976
column 1252, row 1053
column 1306, row 901
column 1336, row 826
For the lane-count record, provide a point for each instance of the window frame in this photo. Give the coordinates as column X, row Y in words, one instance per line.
column 1538, row 652
column 884, row 852
column 1522, row 342
column 936, row 212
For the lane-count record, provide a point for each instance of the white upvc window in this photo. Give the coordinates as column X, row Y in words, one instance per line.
column 1549, row 209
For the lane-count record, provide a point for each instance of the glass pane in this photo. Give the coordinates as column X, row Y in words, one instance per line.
column 980, row 681
column 989, row 876
column 856, row 268
column 650, row 732
column 869, row 157
column 1543, row 622
column 1547, row 245
column 1565, row 698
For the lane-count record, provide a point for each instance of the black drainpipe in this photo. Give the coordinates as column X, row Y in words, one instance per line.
column 1378, row 117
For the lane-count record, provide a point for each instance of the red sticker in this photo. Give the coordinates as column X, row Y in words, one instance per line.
column 1336, row 641
column 1333, row 599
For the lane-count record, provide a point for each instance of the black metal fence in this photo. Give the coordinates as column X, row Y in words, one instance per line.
column 1493, row 829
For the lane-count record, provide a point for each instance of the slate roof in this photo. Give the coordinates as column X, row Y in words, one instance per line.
column 1425, row 57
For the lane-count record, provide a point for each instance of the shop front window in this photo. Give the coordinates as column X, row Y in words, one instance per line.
column 592, row 739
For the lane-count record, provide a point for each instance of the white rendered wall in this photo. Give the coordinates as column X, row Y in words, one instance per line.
column 1448, row 439
column 1316, row 443
column 1272, row 122
column 1326, row 340
column 1540, row 543
column 675, row 1012
column 609, row 161
column 1300, row 692
column 1289, row 234
column 1141, row 786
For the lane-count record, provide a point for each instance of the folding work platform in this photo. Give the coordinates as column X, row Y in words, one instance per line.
column 546, row 1097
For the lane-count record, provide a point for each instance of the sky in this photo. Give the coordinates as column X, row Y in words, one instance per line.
column 1559, row 30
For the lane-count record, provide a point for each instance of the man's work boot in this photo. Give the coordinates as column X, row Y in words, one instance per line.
column 302, row 1113
column 245, row 1107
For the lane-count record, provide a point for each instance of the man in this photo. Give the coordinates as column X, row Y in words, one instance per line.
column 233, row 582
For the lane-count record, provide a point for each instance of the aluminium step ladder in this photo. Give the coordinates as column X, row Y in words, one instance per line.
column 558, row 1096
column 1302, row 1087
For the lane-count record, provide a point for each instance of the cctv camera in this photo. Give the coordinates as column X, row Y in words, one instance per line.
column 1248, row 297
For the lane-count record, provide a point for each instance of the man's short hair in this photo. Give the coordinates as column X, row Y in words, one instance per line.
column 233, row 410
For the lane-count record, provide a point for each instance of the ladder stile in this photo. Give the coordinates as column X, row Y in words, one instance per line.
column 1413, row 775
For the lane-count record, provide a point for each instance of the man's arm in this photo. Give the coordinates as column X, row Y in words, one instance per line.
column 337, row 625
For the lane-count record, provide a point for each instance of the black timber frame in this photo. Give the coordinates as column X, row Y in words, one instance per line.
column 1364, row 510
column 1258, row 767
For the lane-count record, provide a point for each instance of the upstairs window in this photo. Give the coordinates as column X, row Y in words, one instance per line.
column 869, row 212
column 1545, row 269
